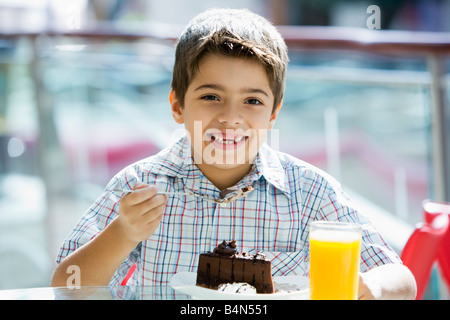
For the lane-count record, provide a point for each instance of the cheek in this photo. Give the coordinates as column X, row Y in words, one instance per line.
column 262, row 129
column 261, row 122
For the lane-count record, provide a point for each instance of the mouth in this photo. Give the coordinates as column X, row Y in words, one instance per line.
column 226, row 140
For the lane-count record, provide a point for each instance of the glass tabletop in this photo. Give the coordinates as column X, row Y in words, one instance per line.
column 94, row 293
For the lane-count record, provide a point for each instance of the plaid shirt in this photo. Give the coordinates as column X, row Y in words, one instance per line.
column 274, row 218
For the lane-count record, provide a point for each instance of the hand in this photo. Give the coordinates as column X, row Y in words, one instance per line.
column 387, row 282
column 368, row 289
column 140, row 212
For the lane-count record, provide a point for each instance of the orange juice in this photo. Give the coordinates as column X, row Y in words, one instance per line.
column 334, row 260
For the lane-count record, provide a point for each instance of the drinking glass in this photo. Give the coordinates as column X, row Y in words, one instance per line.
column 335, row 249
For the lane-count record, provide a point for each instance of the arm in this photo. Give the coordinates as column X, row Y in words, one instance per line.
column 392, row 281
column 139, row 216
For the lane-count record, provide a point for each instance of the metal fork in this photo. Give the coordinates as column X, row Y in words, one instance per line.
column 119, row 191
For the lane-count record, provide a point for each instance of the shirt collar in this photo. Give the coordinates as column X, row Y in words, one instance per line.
column 269, row 164
column 176, row 161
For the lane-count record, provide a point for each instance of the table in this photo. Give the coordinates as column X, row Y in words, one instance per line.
column 180, row 305
column 93, row 293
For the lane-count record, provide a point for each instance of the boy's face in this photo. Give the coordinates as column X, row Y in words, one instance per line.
column 227, row 111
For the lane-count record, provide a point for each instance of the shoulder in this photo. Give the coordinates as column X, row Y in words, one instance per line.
column 172, row 161
column 301, row 173
column 317, row 190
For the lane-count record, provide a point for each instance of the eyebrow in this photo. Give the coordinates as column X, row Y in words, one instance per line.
column 210, row 86
column 220, row 88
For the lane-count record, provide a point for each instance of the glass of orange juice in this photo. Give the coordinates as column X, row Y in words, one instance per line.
column 334, row 249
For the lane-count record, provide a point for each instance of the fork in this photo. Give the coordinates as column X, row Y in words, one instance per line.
column 159, row 192
column 220, row 202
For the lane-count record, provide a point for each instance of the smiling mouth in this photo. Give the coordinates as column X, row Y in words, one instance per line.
column 227, row 140
column 220, row 139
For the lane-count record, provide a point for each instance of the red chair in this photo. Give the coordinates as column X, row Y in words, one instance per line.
column 422, row 248
column 431, row 210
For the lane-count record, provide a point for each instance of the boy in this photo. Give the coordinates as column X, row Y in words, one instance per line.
column 227, row 89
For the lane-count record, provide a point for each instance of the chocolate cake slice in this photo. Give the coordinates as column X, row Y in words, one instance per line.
column 226, row 265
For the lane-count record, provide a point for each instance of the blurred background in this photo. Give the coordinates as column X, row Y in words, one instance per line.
column 84, row 92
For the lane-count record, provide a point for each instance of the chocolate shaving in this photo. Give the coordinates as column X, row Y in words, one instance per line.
column 239, row 194
column 227, row 248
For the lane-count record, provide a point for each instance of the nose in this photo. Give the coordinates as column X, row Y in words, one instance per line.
column 230, row 115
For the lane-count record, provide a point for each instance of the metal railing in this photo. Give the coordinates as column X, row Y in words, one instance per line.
column 432, row 46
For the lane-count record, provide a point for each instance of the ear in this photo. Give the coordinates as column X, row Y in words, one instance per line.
column 274, row 115
column 177, row 109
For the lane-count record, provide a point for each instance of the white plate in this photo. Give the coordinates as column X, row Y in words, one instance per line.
column 291, row 287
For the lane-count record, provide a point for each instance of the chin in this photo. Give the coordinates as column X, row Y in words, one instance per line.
column 228, row 166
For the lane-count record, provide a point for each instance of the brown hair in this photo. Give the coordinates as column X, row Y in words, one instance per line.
column 231, row 32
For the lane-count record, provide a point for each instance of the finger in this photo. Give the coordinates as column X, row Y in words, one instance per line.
column 139, row 185
column 151, row 203
column 127, row 198
column 141, row 194
column 155, row 215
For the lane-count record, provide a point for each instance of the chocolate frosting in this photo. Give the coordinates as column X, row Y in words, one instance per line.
column 226, row 248
column 233, row 193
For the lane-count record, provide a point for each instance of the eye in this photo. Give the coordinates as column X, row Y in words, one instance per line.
column 254, row 101
column 209, row 97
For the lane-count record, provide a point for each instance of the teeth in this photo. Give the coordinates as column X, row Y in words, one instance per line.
column 220, row 140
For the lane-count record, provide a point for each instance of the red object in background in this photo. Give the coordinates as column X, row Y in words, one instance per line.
column 97, row 156
column 444, row 258
column 431, row 210
column 119, row 156
column 422, row 248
